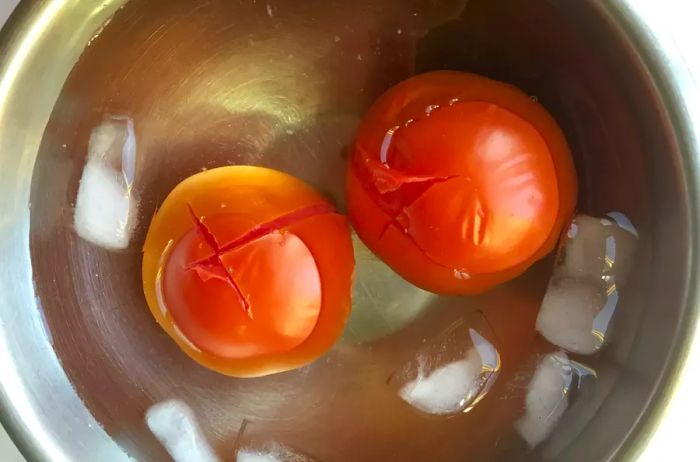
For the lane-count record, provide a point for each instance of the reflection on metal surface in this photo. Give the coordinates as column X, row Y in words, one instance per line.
column 35, row 32
column 249, row 88
column 383, row 301
column 40, row 428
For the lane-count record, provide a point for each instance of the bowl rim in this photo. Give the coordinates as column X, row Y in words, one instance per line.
column 674, row 82
column 31, row 372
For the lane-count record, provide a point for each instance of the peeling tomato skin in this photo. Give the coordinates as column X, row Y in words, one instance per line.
column 283, row 245
column 407, row 259
column 267, row 302
column 507, row 180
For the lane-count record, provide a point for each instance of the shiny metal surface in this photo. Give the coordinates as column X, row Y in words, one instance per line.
column 283, row 84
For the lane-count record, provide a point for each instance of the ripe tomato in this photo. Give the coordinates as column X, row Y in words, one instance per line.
column 249, row 270
column 459, row 182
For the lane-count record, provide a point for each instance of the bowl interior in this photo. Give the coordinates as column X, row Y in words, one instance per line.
column 284, row 84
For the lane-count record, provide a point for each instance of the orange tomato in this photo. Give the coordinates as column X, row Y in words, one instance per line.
column 459, row 182
column 249, row 270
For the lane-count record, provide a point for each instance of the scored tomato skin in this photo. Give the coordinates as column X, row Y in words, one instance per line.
column 471, row 138
column 232, row 201
column 278, row 275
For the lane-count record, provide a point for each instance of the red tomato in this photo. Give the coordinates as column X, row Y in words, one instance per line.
column 459, row 182
column 249, row 270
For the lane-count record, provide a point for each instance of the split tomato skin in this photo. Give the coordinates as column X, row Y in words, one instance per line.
column 249, row 270
column 277, row 276
column 459, row 182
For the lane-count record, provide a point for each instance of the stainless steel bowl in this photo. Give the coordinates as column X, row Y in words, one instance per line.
column 213, row 81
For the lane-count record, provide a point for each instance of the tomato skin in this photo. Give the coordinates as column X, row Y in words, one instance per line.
column 498, row 181
column 278, row 276
column 295, row 273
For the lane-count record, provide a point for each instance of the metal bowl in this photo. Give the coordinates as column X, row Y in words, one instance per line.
column 283, row 84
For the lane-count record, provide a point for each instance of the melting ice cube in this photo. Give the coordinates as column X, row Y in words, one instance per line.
column 568, row 312
column 582, row 296
column 246, row 455
column 599, row 248
column 446, row 389
column 547, row 398
column 271, row 452
column 105, row 209
column 549, row 393
column 451, row 375
column 174, row 424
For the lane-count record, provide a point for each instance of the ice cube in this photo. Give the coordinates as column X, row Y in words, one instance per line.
column 599, row 248
column 271, row 452
column 547, row 398
column 105, row 209
column 446, row 389
column 246, row 455
column 620, row 247
column 449, row 387
column 584, row 248
column 569, row 312
column 113, row 144
column 582, row 296
column 174, row 424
